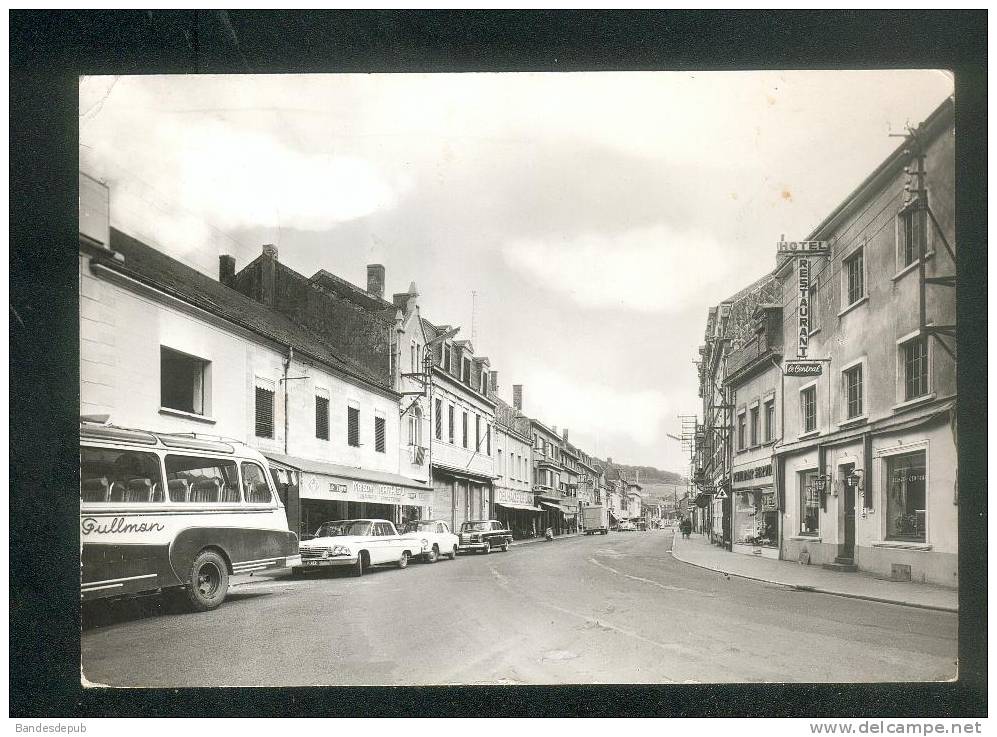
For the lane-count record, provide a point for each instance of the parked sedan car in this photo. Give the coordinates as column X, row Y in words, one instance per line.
column 435, row 539
column 357, row 544
column 483, row 536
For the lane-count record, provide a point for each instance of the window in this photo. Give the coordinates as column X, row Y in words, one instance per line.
column 754, row 426
column 915, row 365
column 413, row 359
column 740, row 432
column 484, row 382
column 264, row 408
column 813, row 298
column 808, row 408
column 379, row 434
column 201, row 480
column 123, row 476
column 912, row 235
column 488, row 439
column 465, row 429
column 255, row 488
column 498, row 466
column 321, row 417
column 853, row 391
column 353, row 426
column 906, row 496
column 438, row 418
column 477, row 433
column 183, row 381
column 770, row 420
column 445, row 357
column 854, row 278
column 809, row 504
column 450, row 418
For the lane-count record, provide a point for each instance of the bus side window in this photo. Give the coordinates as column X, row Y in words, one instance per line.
column 254, row 484
column 119, row 476
column 202, row 480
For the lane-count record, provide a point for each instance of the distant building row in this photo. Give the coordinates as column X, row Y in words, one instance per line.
column 854, row 466
column 363, row 407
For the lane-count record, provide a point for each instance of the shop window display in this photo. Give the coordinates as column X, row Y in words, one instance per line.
column 905, row 501
column 809, row 504
column 756, row 519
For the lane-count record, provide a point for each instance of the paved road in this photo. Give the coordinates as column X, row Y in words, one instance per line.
column 602, row 609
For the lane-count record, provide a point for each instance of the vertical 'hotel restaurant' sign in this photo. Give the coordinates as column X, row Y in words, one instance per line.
column 803, row 250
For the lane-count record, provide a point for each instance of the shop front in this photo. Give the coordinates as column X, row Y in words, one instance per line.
column 460, row 497
column 515, row 509
column 756, row 514
column 328, row 491
column 555, row 516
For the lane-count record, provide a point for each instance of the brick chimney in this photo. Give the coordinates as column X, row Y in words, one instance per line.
column 517, row 396
column 493, row 381
column 375, row 280
column 268, row 275
column 564, row 434
column 226, row 270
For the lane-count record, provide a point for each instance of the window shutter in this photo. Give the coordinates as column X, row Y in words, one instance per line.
column 438, row 418
column 322, row 418
column 353, row 426
column 264, row 412
column 379, row 434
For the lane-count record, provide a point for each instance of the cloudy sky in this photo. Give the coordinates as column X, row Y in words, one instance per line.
column 596, row 216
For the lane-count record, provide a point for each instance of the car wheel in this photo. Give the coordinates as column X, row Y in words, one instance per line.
column 357, row 569
column 433, row 555
column 208, row 581
column 453, row 553
column 487, row 549
column 403, row 561
column 505, row 548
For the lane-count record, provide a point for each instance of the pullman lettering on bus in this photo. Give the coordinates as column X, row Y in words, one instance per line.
column 118, row 526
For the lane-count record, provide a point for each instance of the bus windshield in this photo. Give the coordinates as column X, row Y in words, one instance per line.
column 343, row 528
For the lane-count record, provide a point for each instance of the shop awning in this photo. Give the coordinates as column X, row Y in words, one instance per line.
column 347, row 472
column 524, row 507
column 559, row 508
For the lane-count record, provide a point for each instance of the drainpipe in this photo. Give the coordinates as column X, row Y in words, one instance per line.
column 287, row 366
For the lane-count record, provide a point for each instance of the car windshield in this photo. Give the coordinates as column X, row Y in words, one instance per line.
column 420, row 527
column 472, row 526
column 343, row 527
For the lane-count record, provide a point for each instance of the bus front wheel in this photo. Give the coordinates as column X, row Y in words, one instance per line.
column 208, row 581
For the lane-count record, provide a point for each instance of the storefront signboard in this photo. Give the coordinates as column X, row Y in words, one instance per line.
column 513, row 496
column 803, row 368
column 747, row 475
column 316, row 486
column 803, row 308
column 816, row 248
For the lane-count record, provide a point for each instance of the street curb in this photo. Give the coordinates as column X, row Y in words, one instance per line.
column 814, row 589
column 542, row 539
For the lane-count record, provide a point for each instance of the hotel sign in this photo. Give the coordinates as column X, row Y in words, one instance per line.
column 813, row 248
column 803, row 309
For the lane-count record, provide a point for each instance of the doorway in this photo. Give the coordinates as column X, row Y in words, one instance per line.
column 848, row 497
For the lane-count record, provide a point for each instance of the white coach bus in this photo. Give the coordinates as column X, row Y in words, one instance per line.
column 161, row 512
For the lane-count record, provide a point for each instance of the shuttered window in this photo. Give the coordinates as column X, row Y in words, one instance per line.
column 438, row 419
column 465, row 429
column 379, row 434
column 450, row 422
column 322, row 418
column 353, row 426
column 488, row 439
column 264, row 412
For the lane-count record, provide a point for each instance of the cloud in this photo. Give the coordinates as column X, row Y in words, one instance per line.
column 594, row 408
column 230, row 174
column 644, row 269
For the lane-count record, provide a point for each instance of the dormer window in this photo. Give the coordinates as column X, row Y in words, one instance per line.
column 484, row 382
column 465, row 371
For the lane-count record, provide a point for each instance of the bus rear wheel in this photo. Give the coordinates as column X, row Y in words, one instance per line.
column 208, row 584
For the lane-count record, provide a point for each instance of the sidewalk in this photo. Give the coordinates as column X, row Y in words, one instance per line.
column 699, row 552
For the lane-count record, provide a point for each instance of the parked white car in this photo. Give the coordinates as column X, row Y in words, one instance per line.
column 435, row 539
column 358, row 544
